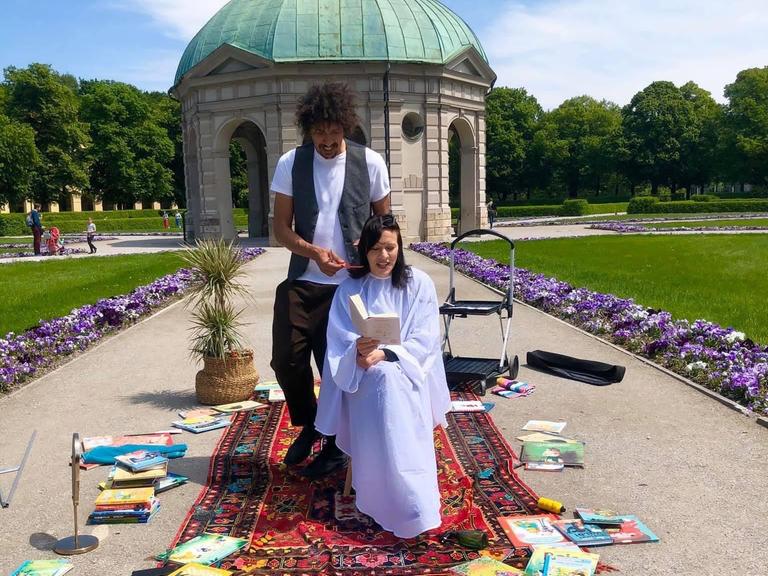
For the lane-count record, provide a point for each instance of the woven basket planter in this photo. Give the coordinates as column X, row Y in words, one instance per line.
column 222, row 381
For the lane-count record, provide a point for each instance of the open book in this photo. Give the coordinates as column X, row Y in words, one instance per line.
column 382, row 327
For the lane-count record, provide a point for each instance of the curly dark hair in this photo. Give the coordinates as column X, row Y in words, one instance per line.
column 330, row 102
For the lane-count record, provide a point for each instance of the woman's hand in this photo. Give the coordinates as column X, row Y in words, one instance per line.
column 368, row 360
column 366, row 345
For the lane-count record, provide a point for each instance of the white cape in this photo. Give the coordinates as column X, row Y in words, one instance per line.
column 383, row 417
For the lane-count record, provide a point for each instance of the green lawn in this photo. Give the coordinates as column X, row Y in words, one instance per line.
column 31, row 291
column 713, row 223
column 721, row 278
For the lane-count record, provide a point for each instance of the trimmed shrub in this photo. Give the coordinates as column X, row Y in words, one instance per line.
column 528, row 211
column 642, row 205
column 691, row 207
column 14, row 225
column 575, row 207
column 705, row 198
column 678, row 195
column 607, row 208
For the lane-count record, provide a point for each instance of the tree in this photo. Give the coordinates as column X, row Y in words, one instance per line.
column 41, row 99
column 131, row 150
column 19, row 159
column 238, row 173
column 658, row 122
column 167, row 113
column 578, row 139
column 746, row 121
column 511, row 118
column 699, row 150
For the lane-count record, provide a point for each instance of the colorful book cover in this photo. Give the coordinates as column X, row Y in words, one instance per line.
column 583, row 534
column 467, row 406
column 567, row 454
column 545, row 466
column 205, row 549
column 125, row 496
column 158, row 438
column 544, row 426
column 484, row 566
column 199, row 414
column 532, row 531
column 544, row 437
column 239, row 406
column 601, row 517
column 204, row 426
column 170, row 481
column 195, row 569
column 548, row 561
column 142, row 460
column 55, row 567
column 120, row 474
column 266, row 386
column 276, row 395
column 631, row 531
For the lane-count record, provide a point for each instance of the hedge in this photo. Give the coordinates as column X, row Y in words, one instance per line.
column 651, row 205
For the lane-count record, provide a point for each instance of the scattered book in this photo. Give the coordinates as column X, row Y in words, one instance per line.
column 266, row 386
column 600, row 517
column 565, row 453
column 142, row 460
column 484, row 566
column 125, row 506
column 199, row 413
column 122, row 477
column 55, row 567
column 195, row 569
column 276, row 395
column 157, row 438
column 583, row 534
column 125, row 496
column 548, row 561
column 201, row 424
column 164, row 571
column 545, row 466
column 204, row 549
column 544, row 426
column 544, row 437
column 467, row 406
column 382, row 327
column 631, row 531
column 239, row 406
column 103, row 515
column 531, row 531
column 170, row 481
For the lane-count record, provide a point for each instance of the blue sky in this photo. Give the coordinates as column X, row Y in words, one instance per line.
column 556, row 49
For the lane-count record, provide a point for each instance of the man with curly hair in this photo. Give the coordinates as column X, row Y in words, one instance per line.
column 324, row 190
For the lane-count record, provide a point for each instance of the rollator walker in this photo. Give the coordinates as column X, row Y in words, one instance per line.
column 482, row 371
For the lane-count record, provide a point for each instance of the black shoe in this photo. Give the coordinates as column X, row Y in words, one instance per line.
column 302, row 446
column 329, row 459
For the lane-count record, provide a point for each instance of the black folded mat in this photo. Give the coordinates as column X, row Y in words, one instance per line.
column 589, row 371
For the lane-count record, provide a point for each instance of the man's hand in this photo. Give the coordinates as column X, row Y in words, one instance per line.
column 328, row 262
column 368, row 360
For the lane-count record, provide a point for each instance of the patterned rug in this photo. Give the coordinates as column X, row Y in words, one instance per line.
column 299, row 527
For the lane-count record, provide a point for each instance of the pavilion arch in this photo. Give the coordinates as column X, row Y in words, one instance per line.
column 471, row 207
column 250, row 136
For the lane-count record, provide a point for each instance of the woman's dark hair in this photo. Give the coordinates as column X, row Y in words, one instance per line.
column 370, row 235
column 331, row 102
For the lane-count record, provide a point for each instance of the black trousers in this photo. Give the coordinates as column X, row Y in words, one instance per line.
column 298, row 332
column 89, row 238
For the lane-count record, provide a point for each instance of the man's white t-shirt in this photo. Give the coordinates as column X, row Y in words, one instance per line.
column 329, row 184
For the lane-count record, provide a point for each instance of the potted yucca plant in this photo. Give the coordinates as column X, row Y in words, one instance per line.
column 228, row 374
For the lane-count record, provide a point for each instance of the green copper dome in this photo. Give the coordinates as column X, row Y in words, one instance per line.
column 334, row 30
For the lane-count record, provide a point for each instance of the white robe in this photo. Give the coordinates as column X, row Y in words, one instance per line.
column 383, row 417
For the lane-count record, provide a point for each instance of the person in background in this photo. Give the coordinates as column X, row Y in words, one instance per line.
column 324, row 192
column 383, row 402
column 491, row 212
column 89, row 234
column 178, row 219
column 37, row 228
column 166, row 222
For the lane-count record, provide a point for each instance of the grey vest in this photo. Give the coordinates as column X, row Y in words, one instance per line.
column 354, row 208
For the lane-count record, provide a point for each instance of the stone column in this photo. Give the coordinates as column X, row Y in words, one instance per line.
column 138, row 206
column 98, row 206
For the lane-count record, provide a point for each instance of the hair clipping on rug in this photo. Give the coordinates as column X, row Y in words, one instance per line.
column 472, row 539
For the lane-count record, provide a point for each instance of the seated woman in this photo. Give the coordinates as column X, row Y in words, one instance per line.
column 382, row 403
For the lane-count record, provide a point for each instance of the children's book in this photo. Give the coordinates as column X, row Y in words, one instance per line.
column 601, row 517
column 532, row 531
column 631, row 531
column 467, row 406
column 125, row 496
column 484, row 566
column 544, row 426
column 170, row 481
column 202, row 424
column 583, row 534
column 276, row 395
column 195, row 569
column 565, row 453
column 548, row 561
column 239, row 406
column 55, row 567
column 118, row 474
column 142, row 460
column 204, row 549
column 266, row 386
column 158, row 438
column 383, row 327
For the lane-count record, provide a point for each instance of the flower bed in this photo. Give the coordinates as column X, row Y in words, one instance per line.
column 26, row 355
column 621, row 227
column 718, row 358
column 43, row 252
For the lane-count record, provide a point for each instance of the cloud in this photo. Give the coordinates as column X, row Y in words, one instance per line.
column 181, row 19
column 558, row 49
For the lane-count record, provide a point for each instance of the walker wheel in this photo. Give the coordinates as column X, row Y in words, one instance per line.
column 514, row 368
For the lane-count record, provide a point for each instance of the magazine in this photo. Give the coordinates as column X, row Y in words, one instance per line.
column 204, row 549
